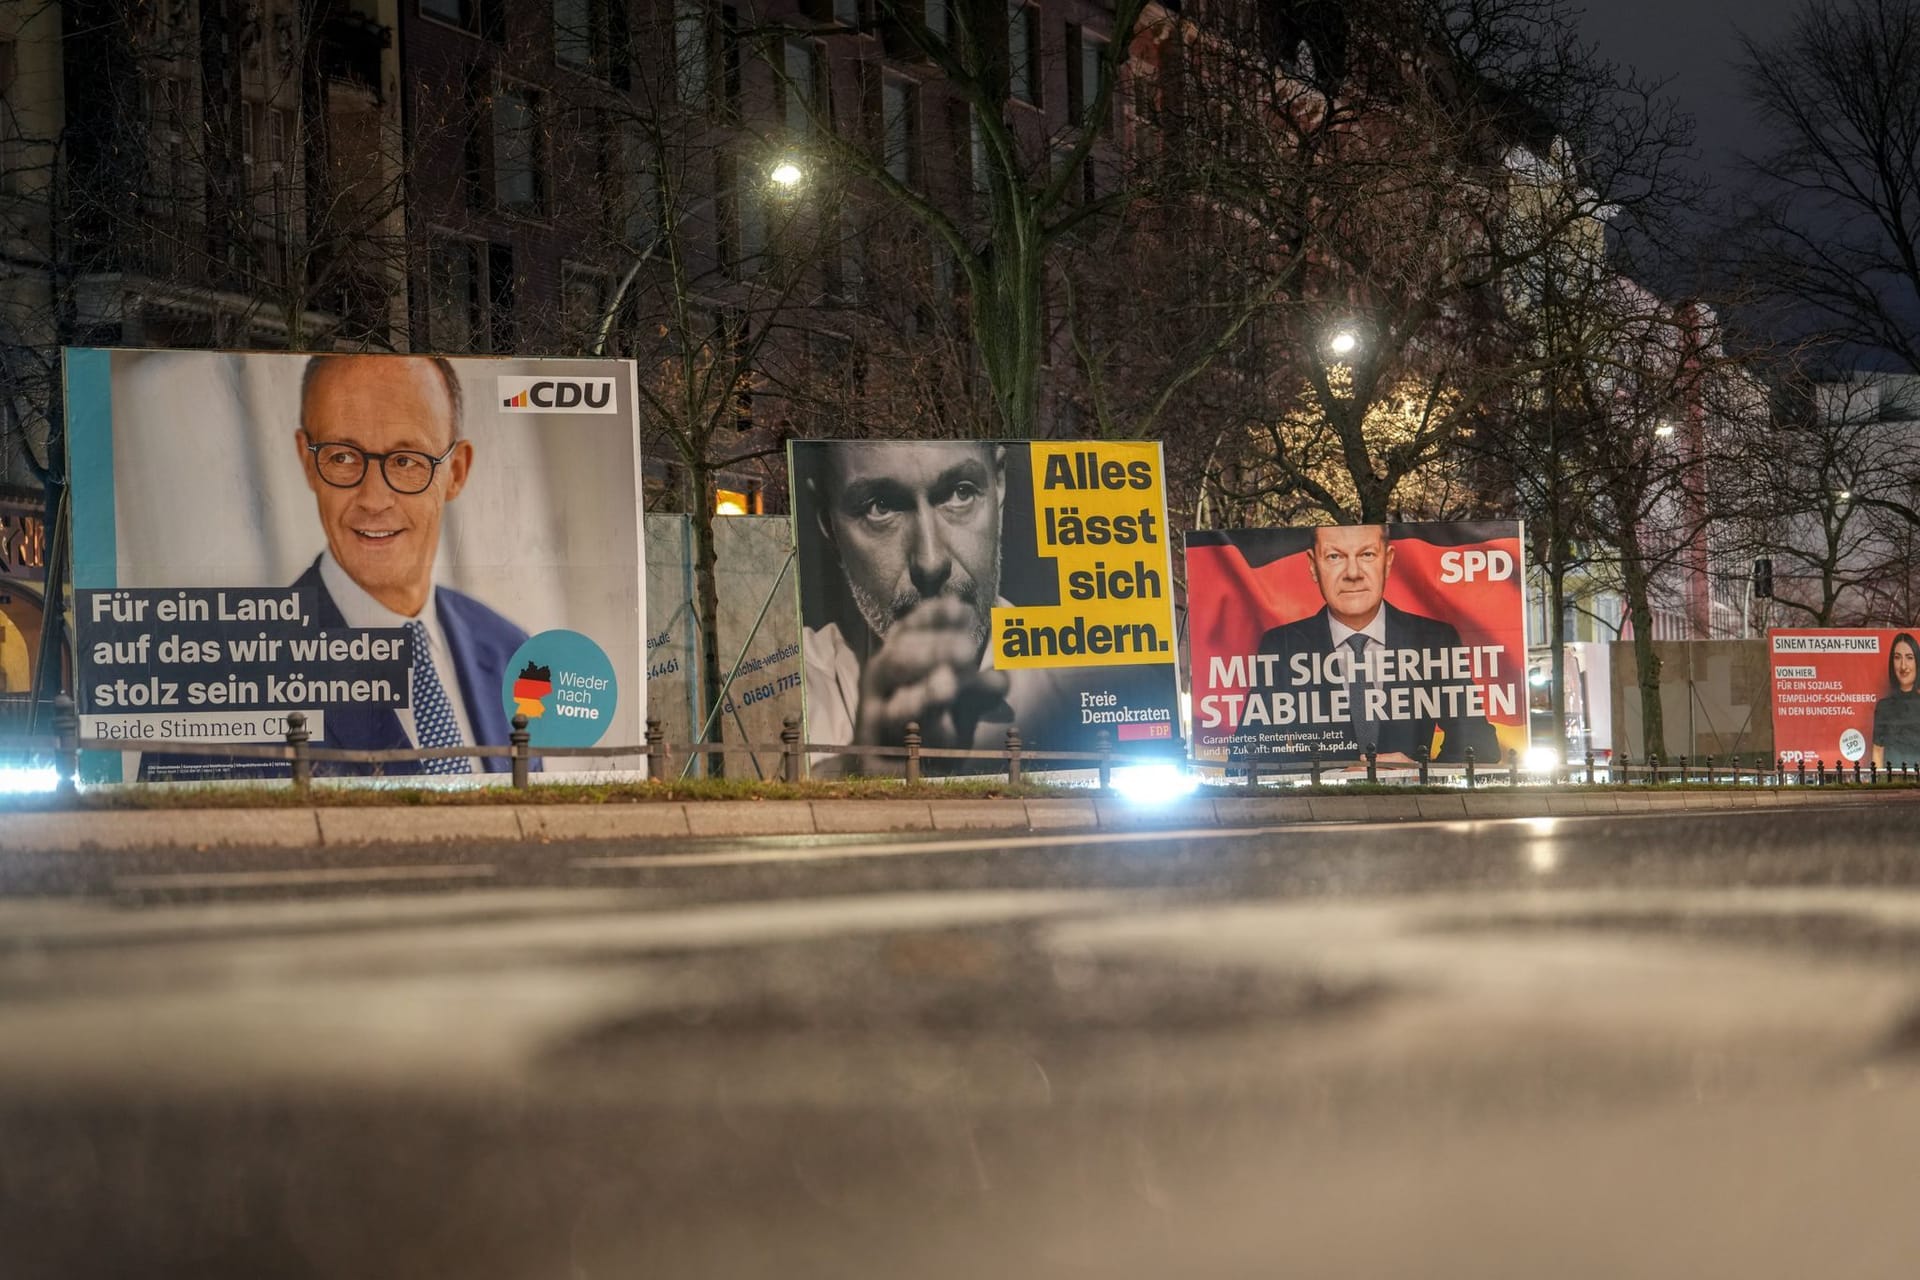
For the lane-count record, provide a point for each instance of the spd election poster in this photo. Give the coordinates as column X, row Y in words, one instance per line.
column 971, row 587
column 408, row 550
column 1326, row 641
column 1847, row 696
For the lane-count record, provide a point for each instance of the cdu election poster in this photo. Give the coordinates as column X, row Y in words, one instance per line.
column 409, row 550
column 1847, row 697
column 972, row 587
column 1326, row 642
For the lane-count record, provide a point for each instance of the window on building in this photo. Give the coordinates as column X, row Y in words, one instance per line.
column 11, row 157
column 847, row 13
column 482, row 17
column 1023, row 52
column 518, row 178
column 1086, row 76
column 576, row 42
column 691, row 51
column 171, row 124
column 803, row 85
column 977, row 153
column 731, row 46
column 583, row 301
column 591, row 36
column 938, row 17
column 741, row 215
column 638, row 191
column 455, row 304
column 899, row 111
column 500, row 333
column 843, row 265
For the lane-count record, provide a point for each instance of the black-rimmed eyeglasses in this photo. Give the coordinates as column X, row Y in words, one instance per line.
column 405, row 470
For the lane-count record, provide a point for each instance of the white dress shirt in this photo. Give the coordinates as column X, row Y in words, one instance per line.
column 361, row 610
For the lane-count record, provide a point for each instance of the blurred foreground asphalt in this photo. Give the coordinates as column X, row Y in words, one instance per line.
column 1679, row 1045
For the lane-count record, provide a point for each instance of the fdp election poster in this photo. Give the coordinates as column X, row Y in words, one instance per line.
column 408, row 550
column 1327, row 641
column 969, row 587
column 1847, row 696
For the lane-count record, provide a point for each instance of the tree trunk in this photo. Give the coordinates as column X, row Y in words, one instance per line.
column 1646, row 661
column 706, row 603
column 1557, row 634
column 1012, row 348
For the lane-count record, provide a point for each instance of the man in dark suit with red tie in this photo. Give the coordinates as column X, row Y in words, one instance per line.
column 1349, row 564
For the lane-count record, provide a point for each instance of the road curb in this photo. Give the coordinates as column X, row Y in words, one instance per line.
column 159, row 830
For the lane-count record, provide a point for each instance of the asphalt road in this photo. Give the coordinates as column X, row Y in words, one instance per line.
column 1580, row 1047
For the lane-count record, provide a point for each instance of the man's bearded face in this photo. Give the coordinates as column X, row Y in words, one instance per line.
column 916, row 522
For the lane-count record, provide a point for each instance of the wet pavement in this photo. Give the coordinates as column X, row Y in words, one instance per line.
column 1672, row 1045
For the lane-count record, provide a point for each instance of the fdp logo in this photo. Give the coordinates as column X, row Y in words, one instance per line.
column 525, row 394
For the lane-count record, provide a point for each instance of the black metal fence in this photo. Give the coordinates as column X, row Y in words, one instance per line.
column 305, row 761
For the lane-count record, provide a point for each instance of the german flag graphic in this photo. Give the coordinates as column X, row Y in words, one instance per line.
column 531, row 686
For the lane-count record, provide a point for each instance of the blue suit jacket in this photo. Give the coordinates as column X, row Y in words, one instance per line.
column 482, row 642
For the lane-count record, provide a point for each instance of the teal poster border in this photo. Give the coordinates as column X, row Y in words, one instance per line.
column 88, row 385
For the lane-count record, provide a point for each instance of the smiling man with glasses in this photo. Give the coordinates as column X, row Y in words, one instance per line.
column 380, row 445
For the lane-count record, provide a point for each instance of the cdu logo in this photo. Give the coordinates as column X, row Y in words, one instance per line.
column 531, row 394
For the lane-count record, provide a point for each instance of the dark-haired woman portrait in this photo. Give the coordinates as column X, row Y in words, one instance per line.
column 1896, row 717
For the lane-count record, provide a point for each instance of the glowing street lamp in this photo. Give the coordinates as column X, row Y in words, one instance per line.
column 1343, row 342
column 787, row 175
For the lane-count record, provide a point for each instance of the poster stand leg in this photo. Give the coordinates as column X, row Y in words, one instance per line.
column 720, row 698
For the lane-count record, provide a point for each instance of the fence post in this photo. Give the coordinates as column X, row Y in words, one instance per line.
column 1373, row 763
column 297, row 738
column 1802, row 769
column 913, row 752
column 1469, row 768
column 1106, row 760
column 66, row 727
column 1013, row 755
column 1589, row 766
column 790, row 748
column 1710, row 768
column 518, row 740
column 1873, row 772
column 1513, row 768
column 1683, row 769
column 656, row 751
column 1426, row 766
column 1313, row 755
column 1856, row 773
column 1623, row 775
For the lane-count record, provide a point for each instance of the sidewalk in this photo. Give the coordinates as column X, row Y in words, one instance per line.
column 164, row 829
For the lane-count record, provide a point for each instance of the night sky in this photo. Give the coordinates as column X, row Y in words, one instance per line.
column 1692, row 44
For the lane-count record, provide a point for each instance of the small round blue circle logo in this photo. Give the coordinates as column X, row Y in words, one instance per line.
column 563, row 683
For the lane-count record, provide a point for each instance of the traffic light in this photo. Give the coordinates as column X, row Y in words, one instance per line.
column 1763, row 579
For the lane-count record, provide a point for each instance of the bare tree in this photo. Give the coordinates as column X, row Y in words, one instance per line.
column 1828, row 219
column 1435, row 153
column 1030, row 178
column 711, row 266
column 1825, row 499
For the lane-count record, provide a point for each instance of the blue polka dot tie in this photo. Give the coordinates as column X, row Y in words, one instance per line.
column 433, row 721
